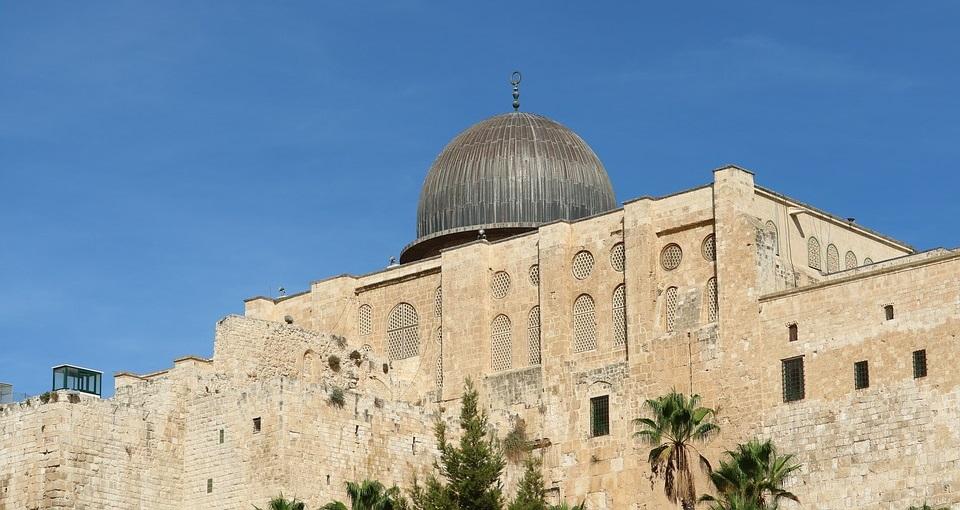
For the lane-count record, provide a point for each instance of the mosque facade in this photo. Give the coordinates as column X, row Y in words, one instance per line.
column 568, row 311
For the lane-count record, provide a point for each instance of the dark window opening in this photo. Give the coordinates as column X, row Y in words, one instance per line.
column 793, row 388
column 919, row 363
column 209, row 485
column 888, row 312
column 861, row 375
column 794, row 335
column 221, row 436
column 256, row 425
column 599, row 416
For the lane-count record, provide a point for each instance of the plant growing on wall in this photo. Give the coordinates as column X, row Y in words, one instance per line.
column 334, row 362
column 676, row 422
column 515, row 443
column 336, row 397
column 754, row 472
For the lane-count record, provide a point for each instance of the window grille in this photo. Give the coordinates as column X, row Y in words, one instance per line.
column 813, row 253
column 582, row 264
column 209, row 485
column 772, row 228
column 833, row 259
column 533, row 335
column 888, row 312
column 500, row 352
column 867, row 261
column 670, row 308
column 439, row 336
column 709, row 248
column 793, row 387
column 919, row 363
column 365, row 320
column 256, row 425
column 712, row 303
column 600, row 416
column 670, row 256
column 793, row 333
column 850, row 260
column 439, row 376
column 861, row 375
column 584, row 324
column 618, row 258
column 403, row 339
column 619, row 317
column 438, row 302
column 535, row 275
column 500, row 284
column 221, row 436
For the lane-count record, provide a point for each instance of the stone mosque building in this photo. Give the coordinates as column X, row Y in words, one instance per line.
column 568, row 310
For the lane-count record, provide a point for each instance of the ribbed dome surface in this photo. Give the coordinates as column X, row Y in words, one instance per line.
column 515, row 170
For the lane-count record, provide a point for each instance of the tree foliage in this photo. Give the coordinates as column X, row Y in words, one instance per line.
column 282, row 503
column 754, row 472
column 369, row 495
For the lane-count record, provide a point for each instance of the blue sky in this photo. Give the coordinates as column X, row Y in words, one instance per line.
column 161, row 161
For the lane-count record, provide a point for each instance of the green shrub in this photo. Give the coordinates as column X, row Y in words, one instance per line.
column 334, row 362
column 337, row 398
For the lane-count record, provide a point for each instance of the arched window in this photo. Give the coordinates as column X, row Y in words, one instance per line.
column 584, row 324
column 364, row 320
column 582, row 264
column 501, row 352
column 439, row 377
column 500, row 284
column 309, row 372
column 670, row 308
column 533, row 335
column 711, row 299
column 438, row 302
column 850, row 260
column 813, row 253
column 771, row 227
column 833, row 259
column 709, row 248
column 619, row 317
column 618, row 258
column 403, row 339
column 867, row 261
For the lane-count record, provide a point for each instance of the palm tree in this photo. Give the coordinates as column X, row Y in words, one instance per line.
column 281, row 503
column 368, row 495
column 677, row 422
column 736, row 501
column 754, row 472
column 925, row 507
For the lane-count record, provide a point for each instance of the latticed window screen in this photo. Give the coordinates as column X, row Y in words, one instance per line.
column 439, row 376
column 670, row 308
column 772, row 228
column 584, row 324
column 619, row 317
column 850, row 260
column 813, row 253
column 439, row 336
column 501, row 353
column 919, row 363
column 582, row 264
column 861, row 375
column 438, row 302
column 833, row 259
column 670, row 257
column 533, row 335
column 364, row 320
column 403, row 339
column 709, row 248
column 618, row 257
column 867, row 261
column 711, row 298
column 793, row 388
column 599, row 416
column 500, row 284
column 535, row 275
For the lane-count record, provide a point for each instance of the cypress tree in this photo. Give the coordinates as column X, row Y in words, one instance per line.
column 530, row 490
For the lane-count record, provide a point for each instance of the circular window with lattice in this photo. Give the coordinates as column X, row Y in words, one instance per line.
column 500, row 284
column 535, row 275
column 670, row 257
column 709, row 248
column 617, row 257
column 582, row 264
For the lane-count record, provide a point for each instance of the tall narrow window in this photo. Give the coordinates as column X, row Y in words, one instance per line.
column 711, row 298
column 501, row 352
column 861, row 375
column 619, row 317
column 256, row 425
column 919, row 363
column 833, row 259
column 813, row 253
column 209, row 485
column 850, row 260
column 584, row 324
column 600, row 416
column 670, row 308
column 403, row 339
column 888, row 312
column 771, row 228
column 221, row 436
column 533, row 335
column 438, row 302
column 364, row 320
column 792, row 333
column 793, row 387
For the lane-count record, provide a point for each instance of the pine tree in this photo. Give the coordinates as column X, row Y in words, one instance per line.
column 530, row 490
